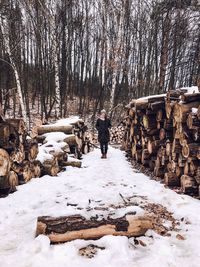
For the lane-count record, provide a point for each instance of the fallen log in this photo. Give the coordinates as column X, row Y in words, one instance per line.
column 64, row 229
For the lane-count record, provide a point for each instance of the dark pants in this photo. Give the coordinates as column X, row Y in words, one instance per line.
column 104, row 148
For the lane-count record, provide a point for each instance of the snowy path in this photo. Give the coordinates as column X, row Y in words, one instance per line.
column 93, row 188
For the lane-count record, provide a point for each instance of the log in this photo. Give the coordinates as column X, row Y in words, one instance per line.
column 64, row 229
column 181, row 110
column 168, row 108
column 196, row 135
column 190, row 150
column 4, row 134
column 159, row 171
column 72, row 163
column 18, row 155
column 145, row 157
column 40, row 138
column 168, row 148
column 149, row 122
column 162, row 134
column 187, row 98
column 18, row 124
column 4, row 163
column 171, row 179
column 156, row 105
column 159, row 115
column 71, row 140
column 151, row 163
column 13, row 180
column 36, row 168
column 31, row 150
column 68, row 129
column 197, row 176
column 50, row 167
column 198, row 112
column 188, row 184
column 194, row 166
column 193, row 121
column 153, row 146
column 138, row 155
column 27, row 171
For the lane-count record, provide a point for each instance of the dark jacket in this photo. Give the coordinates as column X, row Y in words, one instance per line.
column 103, row 130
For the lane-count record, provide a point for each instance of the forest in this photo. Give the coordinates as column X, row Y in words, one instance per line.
column 58, row 57
column 100, row 133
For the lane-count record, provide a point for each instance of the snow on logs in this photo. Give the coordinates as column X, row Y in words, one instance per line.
column 163, row 133
column 63, row 229
column 58, row 140
column 23, row 158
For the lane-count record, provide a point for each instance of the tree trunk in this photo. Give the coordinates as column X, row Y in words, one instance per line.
column 4, row 29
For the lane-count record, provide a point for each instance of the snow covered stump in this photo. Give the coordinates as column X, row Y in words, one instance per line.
column 64, row 229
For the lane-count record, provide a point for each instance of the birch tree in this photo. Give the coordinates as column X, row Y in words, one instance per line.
column 4, row 26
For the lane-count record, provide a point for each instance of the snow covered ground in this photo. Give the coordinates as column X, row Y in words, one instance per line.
column 96, row 189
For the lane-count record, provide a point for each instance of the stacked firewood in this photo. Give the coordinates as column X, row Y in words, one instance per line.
column 163, row 134
column 62, row 144
column 55, row 147
column 117, row 134
column 18, row 154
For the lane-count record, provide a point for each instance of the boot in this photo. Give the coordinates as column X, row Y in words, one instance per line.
column 105, row 156
column 102, row 157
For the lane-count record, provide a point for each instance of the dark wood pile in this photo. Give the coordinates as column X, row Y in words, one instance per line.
column 163, row 134
column 23, row 158
column 17, row 154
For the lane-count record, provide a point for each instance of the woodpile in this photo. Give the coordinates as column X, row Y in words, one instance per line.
column 62, row 144
column 117, row 134
column 23, row 158
column 18, row 154
column 163, row 134
column 68, row 228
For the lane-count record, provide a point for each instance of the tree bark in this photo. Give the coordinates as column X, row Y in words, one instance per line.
column 63, row 229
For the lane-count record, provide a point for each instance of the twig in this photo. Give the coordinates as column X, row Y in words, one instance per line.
column 123, row 199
